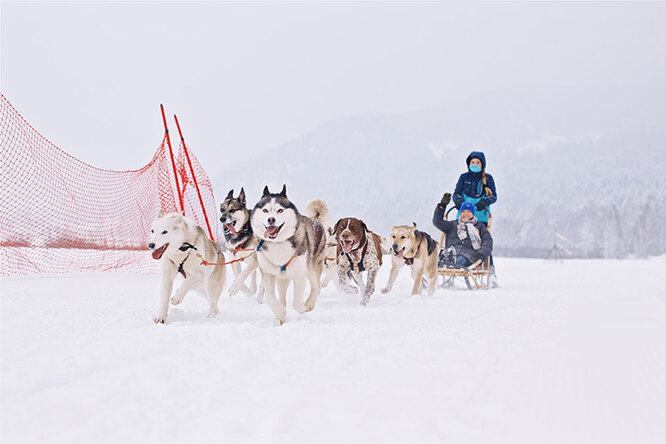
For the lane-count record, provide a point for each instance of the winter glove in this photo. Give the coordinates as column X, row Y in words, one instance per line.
column 482, row 204
column 458, row 202
column 446, row 198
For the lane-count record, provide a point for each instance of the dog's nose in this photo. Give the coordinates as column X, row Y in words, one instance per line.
column 271, row 221
column 151, row 245
column 395, row 247
column 223, row 218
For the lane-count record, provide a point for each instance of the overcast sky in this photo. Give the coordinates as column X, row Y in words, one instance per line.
column 245, row 77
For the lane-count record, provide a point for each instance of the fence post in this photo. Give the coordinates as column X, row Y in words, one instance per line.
column 194, row 177
column 173, row 162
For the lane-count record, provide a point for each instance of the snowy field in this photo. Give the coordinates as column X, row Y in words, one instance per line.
column 572, row 352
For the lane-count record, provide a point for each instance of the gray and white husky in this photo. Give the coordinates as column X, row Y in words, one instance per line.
column 291, row 248
column 241, row 243
column 181, row 246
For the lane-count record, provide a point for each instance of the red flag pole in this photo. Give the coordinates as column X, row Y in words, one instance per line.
column 194, row 177
column 173, row 162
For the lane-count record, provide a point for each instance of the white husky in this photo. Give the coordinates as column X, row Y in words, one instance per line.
column 291, row 247
column 182, row 246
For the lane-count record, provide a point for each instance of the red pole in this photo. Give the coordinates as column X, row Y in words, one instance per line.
column 194, row 177
column 173, row 162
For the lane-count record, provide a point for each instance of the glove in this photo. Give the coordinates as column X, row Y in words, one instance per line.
column 482, row 204
column 458, row 202
column 446, row 198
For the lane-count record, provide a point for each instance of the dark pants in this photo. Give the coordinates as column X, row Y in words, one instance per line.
column 462, row 262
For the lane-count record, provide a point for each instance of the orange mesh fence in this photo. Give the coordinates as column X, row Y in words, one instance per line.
column 61, row 215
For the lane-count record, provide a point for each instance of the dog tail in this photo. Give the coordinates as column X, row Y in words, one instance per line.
column 317, row 210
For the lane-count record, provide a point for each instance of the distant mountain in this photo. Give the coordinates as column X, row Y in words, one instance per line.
column 588, row 164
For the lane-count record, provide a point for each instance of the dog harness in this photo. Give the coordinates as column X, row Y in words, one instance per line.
column 282, row 267
column 186, row 246
column 360, row 265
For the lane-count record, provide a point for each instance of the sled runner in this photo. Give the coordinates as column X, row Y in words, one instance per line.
column 476, row 276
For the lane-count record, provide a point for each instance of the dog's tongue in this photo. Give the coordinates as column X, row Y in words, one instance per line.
column 160, row 251
column 399, row 253
column 347, row 246
column 271, row 231
column 230, row 227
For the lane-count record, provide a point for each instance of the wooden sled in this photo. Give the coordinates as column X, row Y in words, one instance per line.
column 476, row 276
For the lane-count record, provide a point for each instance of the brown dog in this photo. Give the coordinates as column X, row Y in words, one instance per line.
column 417, row 249
column 358, row 250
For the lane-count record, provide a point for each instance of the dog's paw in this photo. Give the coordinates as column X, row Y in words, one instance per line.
column 309, row 305
column 351, row 290
column 212, row 313
column 175, row 300
column 301, row 308
column 385, row 290
column 159, row 319
column 365, row 300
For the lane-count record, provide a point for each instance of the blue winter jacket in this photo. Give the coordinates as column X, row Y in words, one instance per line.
column 470, row 188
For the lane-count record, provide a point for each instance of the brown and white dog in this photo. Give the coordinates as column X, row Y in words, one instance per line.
column 417, row 249
column 358, row 250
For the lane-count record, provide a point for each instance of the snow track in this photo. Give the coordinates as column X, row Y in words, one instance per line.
column 561, row 353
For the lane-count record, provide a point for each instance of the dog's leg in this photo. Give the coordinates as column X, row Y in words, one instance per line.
column 282, row 286
column 343, row 280
column 395, row 269
column 370, row 287
column 280, row 311
column 328, row 275
column 179, row 295
column 165, row 291
column 236, row 267
column 214, row 286
column 314, row 276
column 418, row 278
column 432, row 276
column 253, row 281
column 299, row 295
column 238, row 284
column 358, row 279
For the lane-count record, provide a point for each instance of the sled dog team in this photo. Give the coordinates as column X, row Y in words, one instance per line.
column 286, row 246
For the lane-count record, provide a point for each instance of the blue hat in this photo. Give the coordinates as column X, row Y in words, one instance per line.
column 477, row 155
column 467, row 206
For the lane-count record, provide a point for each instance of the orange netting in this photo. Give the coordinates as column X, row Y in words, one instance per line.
column 61, row 215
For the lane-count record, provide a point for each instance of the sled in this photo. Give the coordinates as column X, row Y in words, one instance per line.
column 476, row 276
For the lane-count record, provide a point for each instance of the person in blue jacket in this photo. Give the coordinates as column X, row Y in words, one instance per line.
column 476, row 186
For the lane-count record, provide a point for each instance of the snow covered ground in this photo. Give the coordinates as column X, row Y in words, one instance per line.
column 572, row 352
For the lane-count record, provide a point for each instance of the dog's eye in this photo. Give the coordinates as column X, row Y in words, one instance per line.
column 265, row 210
column 152, row 231
column 393, row 236
column 164, row 232
column 232, row 211
column 280, row 210
column 402, row 237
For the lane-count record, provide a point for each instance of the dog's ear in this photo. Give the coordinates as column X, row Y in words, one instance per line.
column 283, row 193
column 161, row 213
column 266, row 192
column 414, row 224
column 336, row 227
column 230, row 195
column 241, row 196
column 365, row 228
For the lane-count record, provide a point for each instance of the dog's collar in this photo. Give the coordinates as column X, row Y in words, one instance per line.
column 186, row 246
column 409, row 260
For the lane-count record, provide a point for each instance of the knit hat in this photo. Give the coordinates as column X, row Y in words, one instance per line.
column 467, row 206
